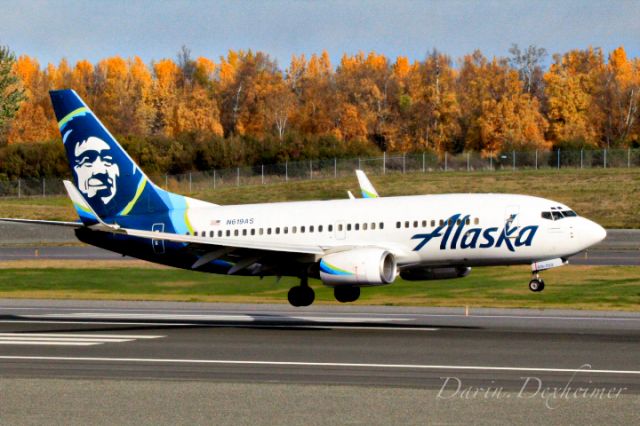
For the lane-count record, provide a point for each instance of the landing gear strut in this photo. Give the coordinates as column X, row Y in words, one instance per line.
column 346, row 293
column 301, row 295
column 537, row 283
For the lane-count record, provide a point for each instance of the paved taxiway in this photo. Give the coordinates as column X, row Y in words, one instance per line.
column 359, row 361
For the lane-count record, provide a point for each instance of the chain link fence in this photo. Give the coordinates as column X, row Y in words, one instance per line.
column 195, row 182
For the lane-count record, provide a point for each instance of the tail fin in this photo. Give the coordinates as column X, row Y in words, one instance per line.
column 368, row 191
column 110, row 181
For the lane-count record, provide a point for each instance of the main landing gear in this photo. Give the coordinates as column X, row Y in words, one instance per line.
column 346, row 293
column 537, row 283
column 301, row 295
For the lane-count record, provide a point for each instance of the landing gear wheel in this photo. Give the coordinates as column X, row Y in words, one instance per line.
column 536, row 285
column 346, row 294
column 301, row 296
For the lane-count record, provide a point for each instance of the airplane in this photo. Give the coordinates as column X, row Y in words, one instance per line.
column 347, row 243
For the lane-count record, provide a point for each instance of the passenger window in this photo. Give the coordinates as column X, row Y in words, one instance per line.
column 268, row 231
column 424, row 223
column 398, row 224
column 212, row 234
column 441, row 222
column 219, row 233
column 373, row 226
column 244, row 232
column 357, row 226
column 286, row 229
column 253, row 231
column 450, row 222
column 319, row 228
column 415, row 223
column 381, row 225
column 468, row 221
column 311, row 228
column 236, row 233
column 433, row 223
column 476, row 221
column 406, row 224
column 348, row 227
column 261, row 231
column 330, row 228
column 302, row 229
column 228, row 232
column 364, row 226
column 340, row 227
column 294, row 230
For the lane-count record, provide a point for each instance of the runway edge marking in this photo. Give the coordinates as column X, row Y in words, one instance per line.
column 321, row 364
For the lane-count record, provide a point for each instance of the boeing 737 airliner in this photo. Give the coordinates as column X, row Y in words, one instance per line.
column 347, row 244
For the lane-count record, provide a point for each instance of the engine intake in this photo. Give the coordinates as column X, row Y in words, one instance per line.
column 360, row 267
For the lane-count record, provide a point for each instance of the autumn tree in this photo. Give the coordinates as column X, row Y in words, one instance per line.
column 618, row 99
column 528, row 63
column 570, row 86
column 496, row 114
column 34, row 121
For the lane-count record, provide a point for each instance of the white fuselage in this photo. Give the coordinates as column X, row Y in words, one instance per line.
column 430, row 230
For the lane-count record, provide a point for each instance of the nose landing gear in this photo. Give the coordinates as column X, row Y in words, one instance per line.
column 536, row 284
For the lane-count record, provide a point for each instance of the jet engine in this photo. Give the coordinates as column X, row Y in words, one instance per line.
column 358, row 267
column 426, row 274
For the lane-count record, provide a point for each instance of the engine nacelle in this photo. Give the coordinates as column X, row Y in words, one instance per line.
column 359, row 267
column 426, row 274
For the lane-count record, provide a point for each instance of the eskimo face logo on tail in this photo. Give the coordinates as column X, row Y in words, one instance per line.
column 452, row 237
column 96, row 173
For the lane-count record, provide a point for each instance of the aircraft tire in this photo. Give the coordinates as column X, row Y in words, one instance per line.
column 536, row 285
column 346, row 294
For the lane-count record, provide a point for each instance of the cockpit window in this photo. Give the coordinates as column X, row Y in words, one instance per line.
column 557, row 215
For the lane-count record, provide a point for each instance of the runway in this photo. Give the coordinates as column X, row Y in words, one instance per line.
column 273, row 354
column 372, row 346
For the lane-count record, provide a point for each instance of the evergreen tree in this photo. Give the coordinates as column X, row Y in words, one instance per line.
column 11, row 93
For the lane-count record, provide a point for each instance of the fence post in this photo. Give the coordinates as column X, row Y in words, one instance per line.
column 166, row 181
column 605, row 158
column 262, row 174
column 384, row 163
column 424, row 165
column 536, row 159
column 581, row 157
column 310, row 169
column 19, row 188
column 513, row 155
column 214, row 178
column 558, row 158
column 359, row 165
column 286, row 171
column 238, row 176
column 335, row 168
column 445, row 161
column 44, row 189
column 404, row 162
column 629, row 158
column 189, row 182
column 468, row 161
column 491, row 161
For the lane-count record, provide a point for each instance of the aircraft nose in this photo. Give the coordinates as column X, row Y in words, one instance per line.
column 594, row 233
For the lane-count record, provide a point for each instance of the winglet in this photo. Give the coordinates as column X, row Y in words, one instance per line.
column 368, row 191
column 351, row 197
column 87, row 215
